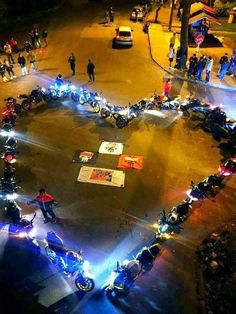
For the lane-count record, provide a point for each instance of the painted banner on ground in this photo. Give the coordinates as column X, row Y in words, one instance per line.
column 84, row 156
column 130, row 162
column 111, row 148
column 101, row 176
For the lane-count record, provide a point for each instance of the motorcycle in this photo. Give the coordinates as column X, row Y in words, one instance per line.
column 9, row 117
column 10, row 145
column 200, row 191
column 86, row 97
column 12, row 211
column 170, row 104
column 40, row 94
column 11, row 103
column 228, row 168
column 147, row 255
column 25, row 231
column 7, row 130
column 74, row 267
column 123, row 278
column 63, row 91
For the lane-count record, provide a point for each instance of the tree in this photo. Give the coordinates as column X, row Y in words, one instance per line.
column 186, row 4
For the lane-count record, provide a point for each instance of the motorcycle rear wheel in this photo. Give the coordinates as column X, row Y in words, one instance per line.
column 121, row 122
column 87, row 285
column 26, row 105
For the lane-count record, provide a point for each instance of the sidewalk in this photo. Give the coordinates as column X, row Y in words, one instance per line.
column 159, row 39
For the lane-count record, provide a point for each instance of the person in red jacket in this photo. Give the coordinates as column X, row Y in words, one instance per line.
column 45, row 201
column 167, row 88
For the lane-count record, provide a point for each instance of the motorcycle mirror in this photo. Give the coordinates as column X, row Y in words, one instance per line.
column 117, row 264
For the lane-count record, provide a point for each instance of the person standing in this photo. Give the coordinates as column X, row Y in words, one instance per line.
column 167, row 88
column 45, row 35
column 111, row 14
column 45, row 201
column 71, row 60
column 223, row 59
column 3, row 72
column 32, row 38
column 200, row 67
column 27, row 46
column 32, row 60
column 172, row 40
column 21, row 61
column 171, row 56
column 192, row 65
column 178, row 55
column 209, row 66
column 224, row 69
column 8, row 51
column 90, row 70
column 37, row 38
column 9, row 69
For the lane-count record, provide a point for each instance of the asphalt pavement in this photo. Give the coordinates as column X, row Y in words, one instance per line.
column 111, row 223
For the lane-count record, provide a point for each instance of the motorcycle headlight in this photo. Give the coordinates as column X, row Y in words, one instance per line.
column 63, row 88
column 22, row 234
column 86, row 266
column 32, row 232
column 7, row 133
column 11, row 197
column 73, row 88
column 43, row 89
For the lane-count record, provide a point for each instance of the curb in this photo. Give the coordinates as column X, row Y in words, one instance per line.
column 179, row 77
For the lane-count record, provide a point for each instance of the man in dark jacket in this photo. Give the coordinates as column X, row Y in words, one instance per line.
column 21, row 61
column 192, row 65
column 45, row 201
column 90, row 70
column 71, row 60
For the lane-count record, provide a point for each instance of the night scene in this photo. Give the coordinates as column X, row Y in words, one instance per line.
column 118, row 156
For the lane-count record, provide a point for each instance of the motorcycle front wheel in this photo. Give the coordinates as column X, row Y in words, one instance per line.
column 82, row 100
column 18, row 108
column 26, row 105
column 47, row 97
column 84, row 283
column 95, row 106
column 54, row 95
column 121, row 122
column 75, row 97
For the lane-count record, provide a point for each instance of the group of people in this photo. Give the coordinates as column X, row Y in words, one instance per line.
column 11, row 46
column 109, row 16
column 197, row 66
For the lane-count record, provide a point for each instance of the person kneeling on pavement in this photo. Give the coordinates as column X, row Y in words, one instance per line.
column 45, row 201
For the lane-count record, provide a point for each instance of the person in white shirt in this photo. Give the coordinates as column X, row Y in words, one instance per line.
column 209, row 66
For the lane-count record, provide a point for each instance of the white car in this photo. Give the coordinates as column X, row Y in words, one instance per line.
column 123, row 37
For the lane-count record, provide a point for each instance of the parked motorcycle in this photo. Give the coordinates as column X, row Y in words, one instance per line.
column 200, row 191
column 63, row 91
column 72, row 264
column 12, row 211
column 123, row 278
column 25, row 231
column 7, row 130
column 11, row 103
column 147, row 255
column 228, row 168
column 85, row 97
column 40, row 94
column 9, row 117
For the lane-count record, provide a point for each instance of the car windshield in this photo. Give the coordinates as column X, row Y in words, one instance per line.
column 125, row 34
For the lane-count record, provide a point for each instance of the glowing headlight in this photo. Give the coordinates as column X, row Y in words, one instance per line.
column 22, row 234
column 85, row 265
column 7, row 133
column 73, row 87
column 32, row 233
column 43, row 89
column 63, row 88
column 11, row 197
column 156, row 226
